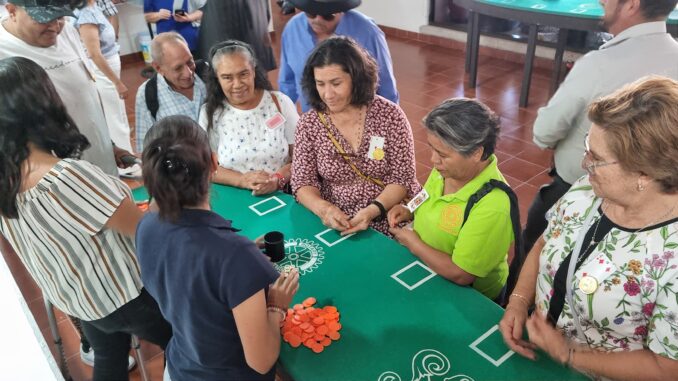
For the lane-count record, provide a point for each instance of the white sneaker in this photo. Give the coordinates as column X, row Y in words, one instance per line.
column 88, row 358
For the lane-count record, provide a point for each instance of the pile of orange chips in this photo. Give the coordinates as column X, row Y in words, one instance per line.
column 313, row 327
column 143, row 206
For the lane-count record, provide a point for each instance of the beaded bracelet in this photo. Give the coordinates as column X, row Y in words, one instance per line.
column 527, row 302
column 279, row 310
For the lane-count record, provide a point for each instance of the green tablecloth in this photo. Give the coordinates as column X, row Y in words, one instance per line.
column 392, row 327
column 573, row 8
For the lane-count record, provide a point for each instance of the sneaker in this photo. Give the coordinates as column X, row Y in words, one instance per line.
column 88, row 358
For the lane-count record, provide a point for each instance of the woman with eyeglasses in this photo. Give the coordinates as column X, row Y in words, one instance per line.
column 222, row 296
column 603, row 279
column 251, row 127
column 71, row 224
column 242, row 20
column 318, row 21
column 354, row 152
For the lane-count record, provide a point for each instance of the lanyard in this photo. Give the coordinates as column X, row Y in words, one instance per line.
column 573, row 263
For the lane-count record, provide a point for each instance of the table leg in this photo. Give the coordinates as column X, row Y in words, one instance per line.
column 558, row 59
column 475, row 46
column 469, row 33
column 529, row 60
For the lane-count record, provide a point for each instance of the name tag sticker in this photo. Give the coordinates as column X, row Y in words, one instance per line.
column 417, row 200
column 376, row 150
column 275, row 121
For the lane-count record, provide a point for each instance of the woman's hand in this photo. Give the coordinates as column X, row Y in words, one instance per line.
column 252, row 180
column 121, row 89
column 405, row 236
column 397, row 214
column 547, row 337
column 334, row 218
column 361, row 220
column 511, row 328
column 282, row 291
column 270, row 186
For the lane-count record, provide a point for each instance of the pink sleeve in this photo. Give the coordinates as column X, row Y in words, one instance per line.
column 402, row 167
column 304, row 158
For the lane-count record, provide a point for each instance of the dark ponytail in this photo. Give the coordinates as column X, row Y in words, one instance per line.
column 31, row 111
column 177, row 162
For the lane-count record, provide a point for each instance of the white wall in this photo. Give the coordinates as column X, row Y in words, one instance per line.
column 402, row 14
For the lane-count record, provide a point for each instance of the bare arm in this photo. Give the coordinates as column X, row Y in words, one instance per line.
column 259, row 327
column 162, row 14
column 89, row 34
column 390, row 196
column 126, row 218
column 330, row 214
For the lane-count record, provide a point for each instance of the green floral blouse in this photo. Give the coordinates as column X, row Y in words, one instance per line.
column 636, row 303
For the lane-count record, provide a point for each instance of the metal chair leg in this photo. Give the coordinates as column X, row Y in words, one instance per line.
column 140, row 360
column 51, row 318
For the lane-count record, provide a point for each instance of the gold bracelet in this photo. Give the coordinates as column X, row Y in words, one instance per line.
column 527, row 302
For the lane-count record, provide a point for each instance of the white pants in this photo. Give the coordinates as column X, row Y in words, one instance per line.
column 114, row 107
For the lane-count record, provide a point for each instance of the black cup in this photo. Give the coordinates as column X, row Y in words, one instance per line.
column 274, row 246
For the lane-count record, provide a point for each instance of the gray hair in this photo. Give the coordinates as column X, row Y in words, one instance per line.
column 229, row 50
column 465, row 125
column 159, row 42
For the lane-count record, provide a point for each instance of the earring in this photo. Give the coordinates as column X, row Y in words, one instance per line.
column 640, row 187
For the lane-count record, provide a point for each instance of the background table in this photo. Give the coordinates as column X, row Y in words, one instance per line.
column 420, row 323
column 563, row 14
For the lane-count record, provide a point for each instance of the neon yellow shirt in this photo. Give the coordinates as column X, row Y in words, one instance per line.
column 481, row 246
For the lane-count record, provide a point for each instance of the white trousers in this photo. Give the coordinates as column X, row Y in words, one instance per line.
column 114, row 107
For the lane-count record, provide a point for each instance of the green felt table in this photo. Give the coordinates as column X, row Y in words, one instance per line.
column 418, row 326
column 573, row 8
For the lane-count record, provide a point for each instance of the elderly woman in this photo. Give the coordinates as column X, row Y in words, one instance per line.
column 462, row 134
column 71, row 224
column 251, row 127
column 604, row 276
column 354, row 153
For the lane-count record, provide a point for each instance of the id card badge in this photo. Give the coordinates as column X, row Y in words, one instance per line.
column 275, row 121
column 417, row 200
column 376, row 150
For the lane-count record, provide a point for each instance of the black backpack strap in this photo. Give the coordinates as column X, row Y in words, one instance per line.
column 151, row 93
column 519, row 254
column 202, row 69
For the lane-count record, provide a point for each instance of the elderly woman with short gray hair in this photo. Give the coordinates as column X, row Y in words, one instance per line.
column 462, row 134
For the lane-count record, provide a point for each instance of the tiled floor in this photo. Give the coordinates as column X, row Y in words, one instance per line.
column 426, row 75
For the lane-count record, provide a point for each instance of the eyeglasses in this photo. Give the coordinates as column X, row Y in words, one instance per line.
column 588, row 163
column 329, row 17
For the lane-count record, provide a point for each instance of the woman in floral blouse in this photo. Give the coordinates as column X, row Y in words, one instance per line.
column 251, row 127
column 613, row 314
column 354, row 152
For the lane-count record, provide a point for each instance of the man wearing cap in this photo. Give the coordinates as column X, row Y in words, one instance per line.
column 320, row 20
column 36, row 29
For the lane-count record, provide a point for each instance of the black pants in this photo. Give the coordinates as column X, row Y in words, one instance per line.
column 110, row 336
column 547, row 196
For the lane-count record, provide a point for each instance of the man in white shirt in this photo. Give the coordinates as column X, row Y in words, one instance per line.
column 641, row 47
column 40, row 34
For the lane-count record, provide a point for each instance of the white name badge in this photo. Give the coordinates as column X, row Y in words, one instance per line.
column 417, row 200
column 275, row 121
column 376, row 150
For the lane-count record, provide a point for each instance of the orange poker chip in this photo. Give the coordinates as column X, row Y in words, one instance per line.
column 312, row 327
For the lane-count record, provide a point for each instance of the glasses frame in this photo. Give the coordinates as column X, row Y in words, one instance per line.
column 590, row 165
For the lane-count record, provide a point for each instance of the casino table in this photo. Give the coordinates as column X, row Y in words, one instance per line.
column 563, row 14
column 399, row 320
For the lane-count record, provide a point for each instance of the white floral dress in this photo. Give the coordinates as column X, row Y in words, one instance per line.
column 636, row 304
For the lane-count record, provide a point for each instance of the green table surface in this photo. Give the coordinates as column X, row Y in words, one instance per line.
column 389, row 331
column 573, row 8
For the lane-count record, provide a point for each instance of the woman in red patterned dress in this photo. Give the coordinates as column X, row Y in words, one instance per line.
column 354, row 155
